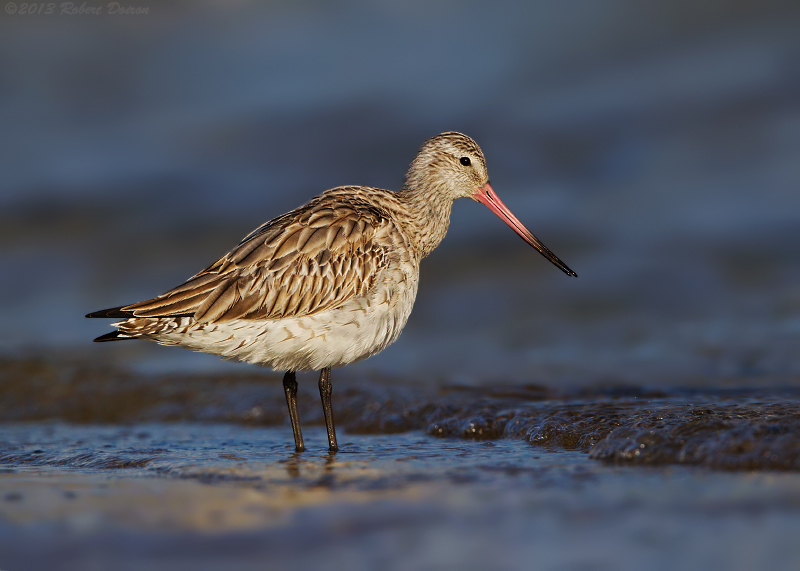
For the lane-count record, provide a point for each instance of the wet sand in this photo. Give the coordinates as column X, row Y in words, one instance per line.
column 214, row 496
column 152, row 474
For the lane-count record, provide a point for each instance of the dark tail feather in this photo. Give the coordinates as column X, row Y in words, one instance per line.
column 114, row 313
column 113, row 336
column 119, row 313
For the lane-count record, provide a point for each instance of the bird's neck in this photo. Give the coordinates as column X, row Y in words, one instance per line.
column 429, row 216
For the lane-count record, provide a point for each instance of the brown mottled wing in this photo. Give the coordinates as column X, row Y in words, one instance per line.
column 314, row 258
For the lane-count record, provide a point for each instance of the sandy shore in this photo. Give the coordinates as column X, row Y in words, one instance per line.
column 212, row 496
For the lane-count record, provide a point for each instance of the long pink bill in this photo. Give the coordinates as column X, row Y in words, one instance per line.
column 488, row 196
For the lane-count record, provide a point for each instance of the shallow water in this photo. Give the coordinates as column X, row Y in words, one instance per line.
column 189, row 496
column 177, row 471
column 737, row 428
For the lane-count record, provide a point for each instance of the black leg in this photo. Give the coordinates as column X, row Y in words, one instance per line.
column 325, row 389
column 290, row 388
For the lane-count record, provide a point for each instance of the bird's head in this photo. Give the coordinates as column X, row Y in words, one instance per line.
column 450, row 166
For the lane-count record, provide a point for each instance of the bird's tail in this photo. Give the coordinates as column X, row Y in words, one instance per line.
column 112, row 313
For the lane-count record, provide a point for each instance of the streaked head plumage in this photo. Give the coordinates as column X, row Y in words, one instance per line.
column 450, row 163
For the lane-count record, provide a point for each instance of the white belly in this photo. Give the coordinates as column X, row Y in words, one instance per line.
column 356, row 330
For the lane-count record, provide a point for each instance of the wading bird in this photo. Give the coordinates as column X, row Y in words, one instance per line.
column 327, row 284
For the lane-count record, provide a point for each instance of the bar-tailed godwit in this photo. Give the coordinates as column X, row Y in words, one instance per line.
column 327, row 284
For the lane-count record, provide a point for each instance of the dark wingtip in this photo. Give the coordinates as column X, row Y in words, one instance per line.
column 112, row 313
column 113, row 336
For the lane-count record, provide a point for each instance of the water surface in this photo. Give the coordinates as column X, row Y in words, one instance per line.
column 188, row 496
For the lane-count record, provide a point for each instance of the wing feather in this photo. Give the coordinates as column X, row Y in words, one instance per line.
column 314, row 258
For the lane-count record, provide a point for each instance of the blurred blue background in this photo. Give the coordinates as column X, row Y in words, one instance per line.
column 654, row 147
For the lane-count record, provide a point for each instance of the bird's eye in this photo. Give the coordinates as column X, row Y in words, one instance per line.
column 465, row 161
